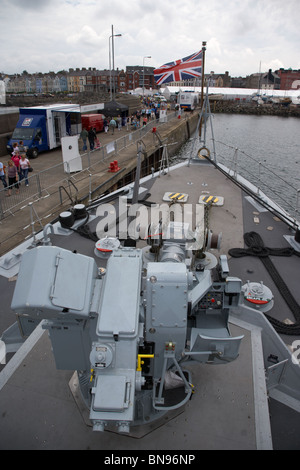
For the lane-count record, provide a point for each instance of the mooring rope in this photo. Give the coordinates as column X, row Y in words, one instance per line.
column 257, row 248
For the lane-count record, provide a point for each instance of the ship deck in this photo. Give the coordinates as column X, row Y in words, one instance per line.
column 230, row 408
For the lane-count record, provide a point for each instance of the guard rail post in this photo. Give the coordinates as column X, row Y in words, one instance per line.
column 235, row 163
column 90, row 188
column 259, row 177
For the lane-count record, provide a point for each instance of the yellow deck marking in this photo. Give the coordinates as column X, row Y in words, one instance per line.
column 207, row 199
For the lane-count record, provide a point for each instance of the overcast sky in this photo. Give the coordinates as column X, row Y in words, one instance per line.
column 44, row 35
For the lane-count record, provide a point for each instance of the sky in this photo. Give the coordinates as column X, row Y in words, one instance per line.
column 243, row 37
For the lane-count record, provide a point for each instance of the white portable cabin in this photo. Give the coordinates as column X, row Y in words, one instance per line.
column 188, row 100
column 56, row 116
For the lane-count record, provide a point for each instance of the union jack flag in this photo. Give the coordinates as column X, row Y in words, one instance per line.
column 182, row 69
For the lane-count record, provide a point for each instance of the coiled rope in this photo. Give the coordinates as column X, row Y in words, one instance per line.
column 257, row 248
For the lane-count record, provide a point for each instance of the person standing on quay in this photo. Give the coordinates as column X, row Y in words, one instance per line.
column 112, row 125
column 13, row 177
column 16, row 160
column 21, row 147
column 15, row 148
column 92, row 136
column 24, row 167
column 84, row 135
column 2, row 175
column 119, row 121
column 105, row 124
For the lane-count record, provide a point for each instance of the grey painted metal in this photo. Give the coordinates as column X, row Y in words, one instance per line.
column 217, row 400
column 105, row 336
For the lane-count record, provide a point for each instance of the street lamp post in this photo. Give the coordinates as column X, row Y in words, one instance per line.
column 146, row 57
column 113, row 54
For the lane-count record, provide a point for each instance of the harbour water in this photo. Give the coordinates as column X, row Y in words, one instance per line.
column 268, row 152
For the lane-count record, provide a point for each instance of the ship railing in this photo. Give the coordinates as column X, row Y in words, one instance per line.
column 264, row 179
column 47, row 182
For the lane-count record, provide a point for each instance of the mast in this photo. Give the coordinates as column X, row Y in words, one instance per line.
column 202, row 82
column 259, row 79
column 113, row 61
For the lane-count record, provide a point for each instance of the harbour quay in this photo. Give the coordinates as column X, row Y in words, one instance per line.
column 253, row 108
column 54, row 186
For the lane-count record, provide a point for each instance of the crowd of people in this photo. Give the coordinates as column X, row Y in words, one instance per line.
column 149, row 111
column 17, row 169
column 19, row 165
column 91, row 136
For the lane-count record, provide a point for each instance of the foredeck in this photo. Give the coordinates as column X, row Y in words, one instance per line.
column 229, row 409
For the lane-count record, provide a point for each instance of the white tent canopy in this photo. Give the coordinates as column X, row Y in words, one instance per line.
column 139, row 91
column 232, row 93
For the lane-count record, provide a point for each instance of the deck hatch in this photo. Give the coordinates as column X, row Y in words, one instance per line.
column 69, row 288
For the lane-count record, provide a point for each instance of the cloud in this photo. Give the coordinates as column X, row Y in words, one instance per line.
column 215, row 47
column 57, row 34
column 274, row 64
column 87, row 36
column 36, row 5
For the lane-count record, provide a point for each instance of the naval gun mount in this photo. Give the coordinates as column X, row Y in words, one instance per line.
column 128, row 329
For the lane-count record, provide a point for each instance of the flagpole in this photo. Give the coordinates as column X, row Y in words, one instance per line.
column 202, row 82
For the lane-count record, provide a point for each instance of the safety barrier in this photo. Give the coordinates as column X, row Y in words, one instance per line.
column 46, row 182
column 282, row 192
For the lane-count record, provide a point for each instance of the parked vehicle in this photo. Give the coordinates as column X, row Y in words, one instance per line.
column 188, row 100
column 42, row 127
column 93, row 120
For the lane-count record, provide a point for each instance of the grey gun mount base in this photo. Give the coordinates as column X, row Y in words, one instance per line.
column 128, row 329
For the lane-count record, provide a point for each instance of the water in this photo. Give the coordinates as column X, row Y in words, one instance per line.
column 268, row 152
